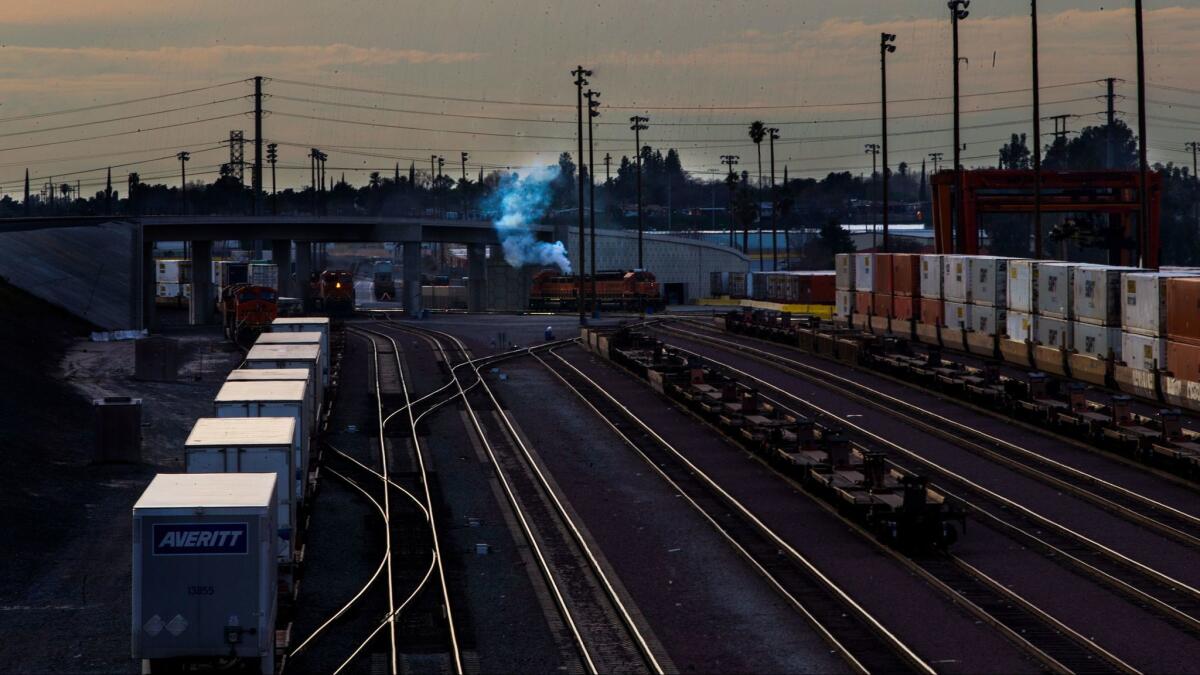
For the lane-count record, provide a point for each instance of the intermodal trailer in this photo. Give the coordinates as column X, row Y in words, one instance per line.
column 204, row 572
column 300, row 338
column 271, row 399
column 287, row 356
column 283, row 375
column 304, row 324
column 251, row 445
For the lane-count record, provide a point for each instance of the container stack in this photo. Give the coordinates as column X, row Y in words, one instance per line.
column 987, row 277
column 1055, row 304
column 264, row 274
column 1021, row 291
column 881, row 300
column 864, row 282
column 956, row 291
column 931, row 290
column 1096, row 328
column 843, row 305
column 173, row 278
column 906, row 286
column 1183, row 328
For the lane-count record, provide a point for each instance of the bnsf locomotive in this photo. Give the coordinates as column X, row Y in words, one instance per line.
column 247, row 309
column 333, row 291
column 626, row 289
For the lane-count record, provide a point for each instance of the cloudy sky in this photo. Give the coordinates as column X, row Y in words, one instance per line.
column 378, row 82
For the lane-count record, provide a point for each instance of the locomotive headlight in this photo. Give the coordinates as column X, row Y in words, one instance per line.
column 337, row 284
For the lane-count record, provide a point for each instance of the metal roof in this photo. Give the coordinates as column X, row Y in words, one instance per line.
column 211, row 490
column 289, row 338
column 300, row 320
column 305, row 352
column 241, row 431
column 268, row 374
column 275, row 390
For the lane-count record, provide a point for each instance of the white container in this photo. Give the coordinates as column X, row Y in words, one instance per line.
column 1021, row 326
column 1097, row 294
column 299, row 338
column 1143, row 352
column 931, row 275
column 287, row 356
column 843, row 264
column 304, row 375
column 1022, row 287
column 957, row 315
column 1096, row 340
column 174, row 270
column 989, row 280
column 843, row 304
column 271, row 399
column 1053, row 332
column 250, row 445
column 167, row 289
column 1055, row 289
column 864, row 272
column 263, row 274
column 204, row 568
column 988, row 319
column 956, row 280
column 305, row 324
column 1144, row 301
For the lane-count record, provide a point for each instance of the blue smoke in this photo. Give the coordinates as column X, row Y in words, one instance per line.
column 520, row 200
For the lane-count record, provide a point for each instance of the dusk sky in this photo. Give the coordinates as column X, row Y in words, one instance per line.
column 795, row 62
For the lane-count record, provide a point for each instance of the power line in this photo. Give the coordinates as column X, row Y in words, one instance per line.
column 120, row 119
column 110, row 166
column 99, row 106
column 124, row 133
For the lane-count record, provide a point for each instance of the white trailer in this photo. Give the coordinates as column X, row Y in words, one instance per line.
column 304, row 375
column 299, row 338
column 287, row 356
column 303, row 324
column 271, row 399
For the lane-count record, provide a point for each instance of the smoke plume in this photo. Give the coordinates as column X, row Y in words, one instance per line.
column 519, row 201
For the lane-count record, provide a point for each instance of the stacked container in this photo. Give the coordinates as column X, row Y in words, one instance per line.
column 1096, row 329
column 296, row 338
column 1021, row 319
column 1183, row 328
column 264, row 274
column 272, row 399
column 906, row 286
column 843, row 305
column 1144, row 317
column 864, row 282
column 1055, row 303
column 956, row 291
column 173, row 278
column 931, row 289
column 987, row 278
column 311, row 390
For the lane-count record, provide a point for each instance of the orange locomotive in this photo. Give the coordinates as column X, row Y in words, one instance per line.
column 247, row 309
column 333, row 291
column 626, row 289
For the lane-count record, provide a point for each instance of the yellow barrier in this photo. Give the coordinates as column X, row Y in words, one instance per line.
column 821, row 311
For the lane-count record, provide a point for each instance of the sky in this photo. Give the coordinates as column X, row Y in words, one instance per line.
column 373, row 83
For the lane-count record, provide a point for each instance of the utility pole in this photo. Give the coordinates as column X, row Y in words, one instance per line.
column 1060, row 125
column 581, row 74
column 958, row 12
column 464, row 156
column 183, row 158
column 885, row 47
column 593, row 113
column 272, row 157
column 772, row 136
column 937, row 159
column 638, row 126
column 1193, row 145
column 607, row 164
column 26, row 202
column 432, row 171
column 108, row 192
column 1037, row 136
column 312, row 167
column 256, row 177
column 872, row 149
column 1109, row 118
column 731, row 181
column 1143, row 168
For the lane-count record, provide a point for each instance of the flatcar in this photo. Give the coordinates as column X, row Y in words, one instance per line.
column 624, row 289
column 333, row 291
column 247, row 310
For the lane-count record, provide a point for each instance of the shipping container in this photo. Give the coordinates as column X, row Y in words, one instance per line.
column 305, row 375
column 757, row 285
column 1022, row 287
column 262, row 274
column 931, row 311
column 1184, row 360
column 931, row 275
column 718, row 284
column 956, row 282
column 739, row 284
column 204, row 569
column 864, row 272
column 229, row 272
column 167, row 289
column 1183, row 310
column 1056, row 282
column 957, row 315
column 1097, row 291
column 989, row 280
column 987, row 319
column 844, row 306
column 843, row 264
column 862, row 302
column 820, row 288
column 1143, row 352
column 1020, row 326
column 272, row 399
column 882, row 269
column 906, row 274
column 1053, row 332
column 881, row 304
column 299, row 338
column 1144, row 309
column 1096, row 340
column 288, row 356
column 251, row 445
column 174, row 270
column 905, row 307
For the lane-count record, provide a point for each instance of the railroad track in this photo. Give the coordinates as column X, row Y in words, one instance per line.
column 601, row 627
column 1174, row 600
column 850, row 630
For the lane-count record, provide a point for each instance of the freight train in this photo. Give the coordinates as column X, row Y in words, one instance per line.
column 333, row 292
column 623, row 289
column 383, row 281
column 786, row 288
column 247, row 310
column 898, row 508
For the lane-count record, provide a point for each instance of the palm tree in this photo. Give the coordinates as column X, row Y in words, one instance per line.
column 758, row 131
column 375, row 180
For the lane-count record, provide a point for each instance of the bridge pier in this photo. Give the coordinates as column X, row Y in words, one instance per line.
column 147, row 285
column 412, row 279
column 281, row 256
column 200, row 307
column 304, row 266
column 476, row 277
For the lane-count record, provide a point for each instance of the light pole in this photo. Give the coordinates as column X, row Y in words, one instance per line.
column 1037, row 134
column 581, row 74
column 958, row 12
column 872, row 149
column 593, row 113
column 638, row 125
column 885, row 47
column 1143, row 168
column 731, row 182
column 464, row 156
column 183, row 158
column 272, row 158
column 772, row 136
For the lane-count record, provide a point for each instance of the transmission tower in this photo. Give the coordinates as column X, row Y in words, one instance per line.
column 237, row 162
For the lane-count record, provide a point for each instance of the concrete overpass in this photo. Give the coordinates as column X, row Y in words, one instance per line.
column 66, row 259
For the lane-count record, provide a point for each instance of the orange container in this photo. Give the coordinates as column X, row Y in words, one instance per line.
column 1183, row 360
column 905, row 307
column 821, row 289
column 1183, row 311
column 882, row 304
column 862, row 302
column 931, row 311
column 906, row 274
column 882, row 276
